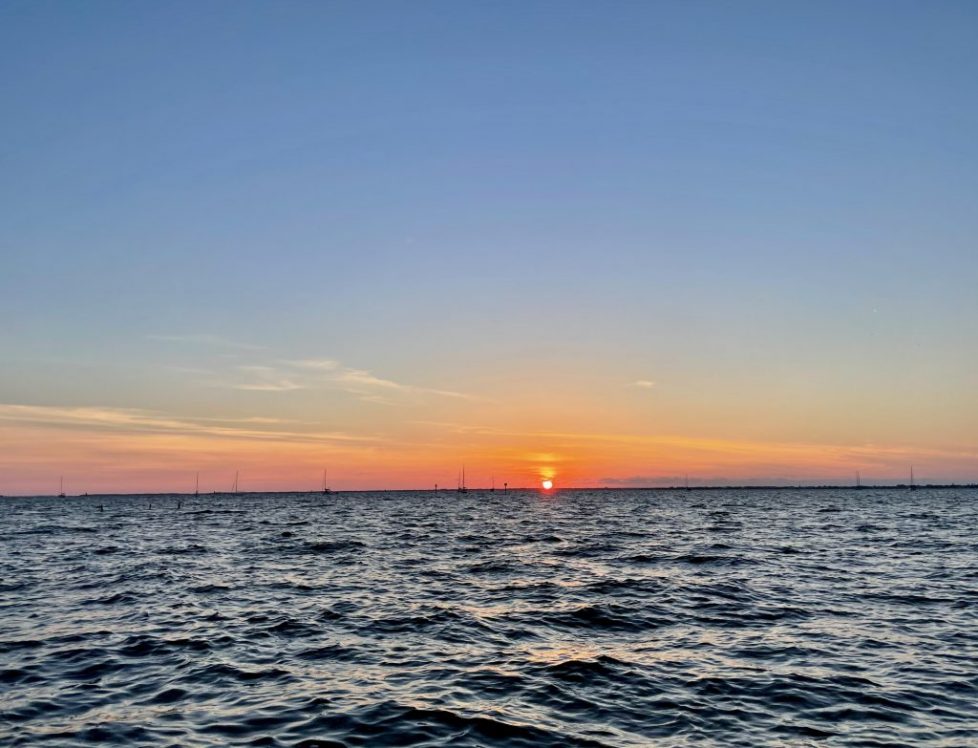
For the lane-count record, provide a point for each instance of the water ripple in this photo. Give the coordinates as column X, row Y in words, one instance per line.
column 581, row 619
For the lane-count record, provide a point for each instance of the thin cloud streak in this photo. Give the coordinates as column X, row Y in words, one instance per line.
column 267, row 379
column 145, row 421
column 358, row 378
column 316, row 364
column 711, row 453
column 205, row 339
column 287, row 375
column 731, row 445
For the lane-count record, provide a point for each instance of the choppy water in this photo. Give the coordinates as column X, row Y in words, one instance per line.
column 606, row 618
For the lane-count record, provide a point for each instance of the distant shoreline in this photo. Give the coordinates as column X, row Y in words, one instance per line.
column 534, row 489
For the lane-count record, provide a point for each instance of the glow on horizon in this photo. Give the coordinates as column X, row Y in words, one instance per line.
column 617, row 245
column 100, row 451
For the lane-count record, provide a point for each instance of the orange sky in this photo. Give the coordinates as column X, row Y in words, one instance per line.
column 123, row 450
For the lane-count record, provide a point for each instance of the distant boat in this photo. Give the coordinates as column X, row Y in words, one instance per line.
column 61, row 490
column 234, row 488
column 197, row 485
column 325, row 484
column 687, row 482
column 461, row 481
column 859, row 484
column 913, row 486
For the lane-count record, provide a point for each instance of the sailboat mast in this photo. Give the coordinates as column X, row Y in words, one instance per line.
column 197, row 485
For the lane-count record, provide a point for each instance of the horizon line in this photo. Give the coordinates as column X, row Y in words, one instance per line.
column 529, row 489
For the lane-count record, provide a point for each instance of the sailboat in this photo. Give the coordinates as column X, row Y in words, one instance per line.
column 234, row 488
column 859, row 485
column 461, row 482
column 913, row 486
column 61, row 490
column 197, row 486
column 325, row 484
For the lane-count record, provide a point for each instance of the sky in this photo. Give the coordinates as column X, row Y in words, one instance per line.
column 612, row 244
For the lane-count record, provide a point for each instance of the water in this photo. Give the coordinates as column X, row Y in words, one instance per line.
column 617, row 618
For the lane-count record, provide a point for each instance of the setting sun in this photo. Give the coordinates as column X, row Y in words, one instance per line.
column 297, row 319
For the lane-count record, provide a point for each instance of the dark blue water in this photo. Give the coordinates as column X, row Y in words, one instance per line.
column 605, row 618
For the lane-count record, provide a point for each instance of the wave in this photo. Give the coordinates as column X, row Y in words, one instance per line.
column 618, row 618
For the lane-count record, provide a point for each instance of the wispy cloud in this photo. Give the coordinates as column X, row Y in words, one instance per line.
column 283, row 386
column 146, row 421
column 721, row 451
column 268, row 374
column 285, row 375
column 266, row 379
column 359, row 380
column 315, row 364
column 466, row 428
column 783, row 449
column 645, row 384
column 205, row 339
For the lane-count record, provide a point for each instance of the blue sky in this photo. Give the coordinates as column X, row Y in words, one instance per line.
column 765, row 208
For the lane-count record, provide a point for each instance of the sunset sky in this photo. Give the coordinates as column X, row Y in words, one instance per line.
column 608, row 243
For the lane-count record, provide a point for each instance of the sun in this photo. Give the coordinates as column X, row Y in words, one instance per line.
column 547, row 484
